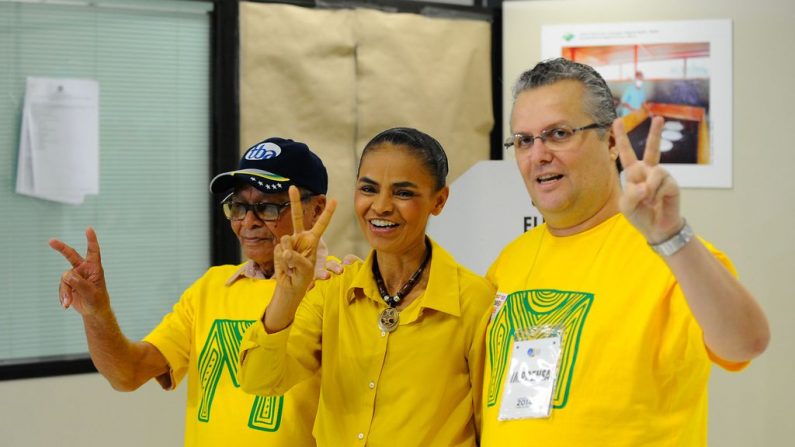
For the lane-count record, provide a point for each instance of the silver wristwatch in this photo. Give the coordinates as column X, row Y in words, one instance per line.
column 675, row 242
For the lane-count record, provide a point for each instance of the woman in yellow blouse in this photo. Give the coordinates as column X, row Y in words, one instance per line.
column 398, row 337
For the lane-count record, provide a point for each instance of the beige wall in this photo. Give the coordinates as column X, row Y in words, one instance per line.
column 336, row 78
column 83, row 410
column 752, row 221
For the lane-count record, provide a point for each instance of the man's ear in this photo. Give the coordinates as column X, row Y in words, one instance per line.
column 611, row 145
column 318, row 205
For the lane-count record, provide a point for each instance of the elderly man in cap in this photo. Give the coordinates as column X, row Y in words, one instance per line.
column 200, row 337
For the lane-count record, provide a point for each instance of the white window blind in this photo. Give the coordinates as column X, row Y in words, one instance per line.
column 152, row 62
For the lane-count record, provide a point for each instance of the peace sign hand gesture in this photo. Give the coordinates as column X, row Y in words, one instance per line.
column 650, row 199
column 83, row 286
column 295, row 255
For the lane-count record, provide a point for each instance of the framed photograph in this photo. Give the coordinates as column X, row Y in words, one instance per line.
column 680, row 70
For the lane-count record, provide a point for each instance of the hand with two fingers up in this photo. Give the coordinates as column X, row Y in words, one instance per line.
column 295, row 254
column 126, row 364
column 83, row 286
column 294, row 260
column 734, row 326
column 650, row 199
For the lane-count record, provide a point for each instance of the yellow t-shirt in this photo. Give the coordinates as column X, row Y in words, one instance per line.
column 416, row 386
column 634, row 367
column 201, row 337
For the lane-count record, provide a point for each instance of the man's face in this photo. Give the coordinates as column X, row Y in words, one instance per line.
column 571, row 184
column 257, row 237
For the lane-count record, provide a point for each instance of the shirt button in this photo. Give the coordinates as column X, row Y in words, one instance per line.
column 360, row 436
column 383, row 333
column 371, row 385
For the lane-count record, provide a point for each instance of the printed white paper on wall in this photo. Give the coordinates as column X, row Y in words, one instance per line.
column 59, row 140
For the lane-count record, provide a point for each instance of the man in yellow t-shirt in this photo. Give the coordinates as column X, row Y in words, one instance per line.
column 609, row 315
column 202, row 334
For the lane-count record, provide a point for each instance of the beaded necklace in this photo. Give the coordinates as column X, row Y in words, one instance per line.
column 388, row 318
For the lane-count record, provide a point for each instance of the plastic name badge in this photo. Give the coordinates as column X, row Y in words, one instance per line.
column 530, row 383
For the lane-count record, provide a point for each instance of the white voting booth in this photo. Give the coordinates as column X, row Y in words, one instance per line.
column 488, row 207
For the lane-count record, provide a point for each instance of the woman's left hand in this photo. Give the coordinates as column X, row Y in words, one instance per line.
column 295, row 255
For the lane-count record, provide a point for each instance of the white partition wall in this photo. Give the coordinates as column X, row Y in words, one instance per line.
column 488, row 208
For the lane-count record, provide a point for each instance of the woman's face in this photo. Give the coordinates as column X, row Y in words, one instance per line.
column 394, row 198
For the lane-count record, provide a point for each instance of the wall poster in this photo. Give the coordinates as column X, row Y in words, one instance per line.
column 681, row 70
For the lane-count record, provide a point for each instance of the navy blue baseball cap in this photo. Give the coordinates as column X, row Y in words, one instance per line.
column 273, row 165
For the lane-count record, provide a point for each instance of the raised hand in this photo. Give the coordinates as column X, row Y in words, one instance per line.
column 650, row 198
column 126, row 364
column 295, row 255
column 83, row 286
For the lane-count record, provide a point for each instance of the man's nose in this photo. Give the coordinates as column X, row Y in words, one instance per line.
column 251, row 219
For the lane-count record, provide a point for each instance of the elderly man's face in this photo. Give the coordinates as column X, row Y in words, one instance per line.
column 257, row 237
column 570, row 185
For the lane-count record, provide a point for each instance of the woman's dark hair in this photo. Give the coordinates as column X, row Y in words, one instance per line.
column 420, row 144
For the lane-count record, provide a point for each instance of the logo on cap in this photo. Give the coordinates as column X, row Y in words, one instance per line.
column 263, row 151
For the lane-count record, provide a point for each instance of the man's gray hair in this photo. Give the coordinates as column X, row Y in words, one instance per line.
column 598, row 98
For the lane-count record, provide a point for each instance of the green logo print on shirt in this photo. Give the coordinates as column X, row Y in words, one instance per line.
column 528, row 308
column 219, row 354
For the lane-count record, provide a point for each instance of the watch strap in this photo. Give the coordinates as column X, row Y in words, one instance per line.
column 675, row 243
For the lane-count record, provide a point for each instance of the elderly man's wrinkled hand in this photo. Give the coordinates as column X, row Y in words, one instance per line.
column 83, row 286
column 335, row 267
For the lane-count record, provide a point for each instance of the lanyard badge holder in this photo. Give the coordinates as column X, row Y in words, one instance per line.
column 535, row 363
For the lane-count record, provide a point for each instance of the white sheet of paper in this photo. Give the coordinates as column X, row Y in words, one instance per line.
column 59, row 142
column 24, row 164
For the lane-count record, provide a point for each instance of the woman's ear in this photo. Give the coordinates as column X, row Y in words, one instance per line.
column 441, row 199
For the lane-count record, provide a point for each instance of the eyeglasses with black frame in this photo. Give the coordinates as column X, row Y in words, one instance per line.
column 555, row 138
column 265, row 211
